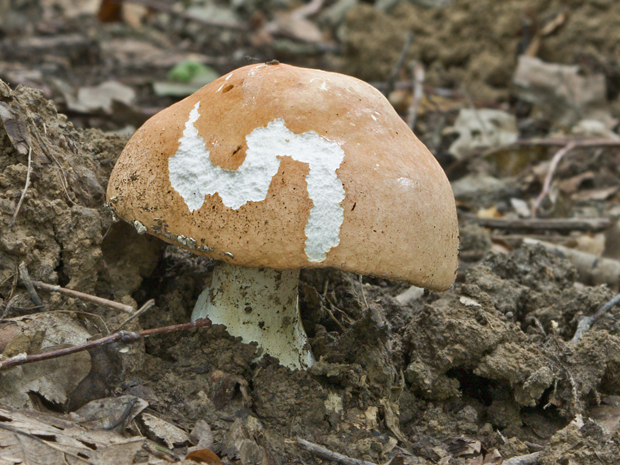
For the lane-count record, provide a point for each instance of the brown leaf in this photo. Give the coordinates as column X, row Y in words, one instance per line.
column 36, row 438
column 156, row 428
column 203, row 456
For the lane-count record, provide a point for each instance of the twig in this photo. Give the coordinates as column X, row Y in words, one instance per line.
column 586, row 322
column 123, row 336
column 418, row 92
column 160, row 453
column 81, row 295
column 21, row 198
column 552, row 167
column 536, row 224
column 140, row 311
column 363, row 292
column 9, row 305
column 564, row 142
column 25, row 277
column 529, row 459
column 391, row 82
column 591, row 268
column 327, row 454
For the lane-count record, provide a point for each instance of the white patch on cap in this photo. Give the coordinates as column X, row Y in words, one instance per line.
column 194, row 176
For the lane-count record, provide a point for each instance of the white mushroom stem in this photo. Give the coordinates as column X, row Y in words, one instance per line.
column 258, row 305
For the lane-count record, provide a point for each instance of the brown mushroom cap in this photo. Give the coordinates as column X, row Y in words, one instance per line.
column 398, row 216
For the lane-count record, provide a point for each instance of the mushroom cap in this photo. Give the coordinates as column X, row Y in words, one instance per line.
column 275, row 166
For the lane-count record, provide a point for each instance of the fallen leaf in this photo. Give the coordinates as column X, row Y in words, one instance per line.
column 36, row 438
column 111, row 413
column 53, row 379
column 481, row 128
column 203, row 456
column 561, row 93
column 164, row 431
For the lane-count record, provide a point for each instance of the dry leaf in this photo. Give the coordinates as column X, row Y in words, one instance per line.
column 299, row 28
column 481, row 128
column 35, row 438
column 571, row 185
column 607, row 416
column 561, row 93
column 111, row 413
column 164, row 431
column 203, row 456
column 53, row 379
column 595, row 194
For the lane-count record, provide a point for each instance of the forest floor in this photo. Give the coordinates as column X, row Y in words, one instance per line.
column 518, row 100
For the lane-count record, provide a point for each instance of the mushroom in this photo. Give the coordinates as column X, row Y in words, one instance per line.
column 273, row 168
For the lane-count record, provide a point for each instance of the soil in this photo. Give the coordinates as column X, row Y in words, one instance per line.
column 474, row 44
column 489, row 360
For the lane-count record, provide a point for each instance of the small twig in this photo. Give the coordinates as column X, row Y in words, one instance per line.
column 399, row 63
column 552, row 167
column 26, row 281
column 363, row 292
column 160, row 453
column 331, row 315
column 92, row 315
column 564, row 142
column 63, row 176
column 327, row 454
column 123, row 336
column 537, row 224
column 418, row 93
column 586, row 322
column 140, row 311
column 81, row 295
column 21, row 198
column 9, row 305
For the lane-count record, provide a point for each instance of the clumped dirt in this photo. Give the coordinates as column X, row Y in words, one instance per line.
column 474, row 44
column 489, row 356
column 62, row 232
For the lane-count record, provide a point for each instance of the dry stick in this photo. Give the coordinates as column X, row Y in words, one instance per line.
column 586, row 322
column 537, row 224
column 399, row 64
column 25, row 277
column 554, row 164
column 81, row 295
column 327, row 454
column 564, row 142
column 123, row 336
column 21, row 198
column 418, row 92
column 140, row 311
column 591, row 268
column 8, row 307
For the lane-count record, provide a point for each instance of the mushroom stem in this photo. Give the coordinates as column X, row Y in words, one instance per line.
column 259, row 305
